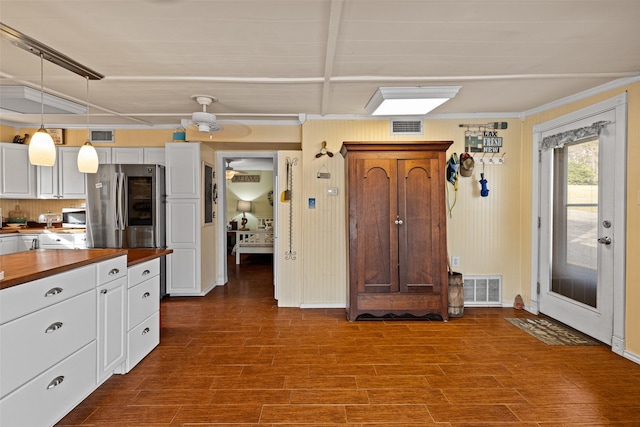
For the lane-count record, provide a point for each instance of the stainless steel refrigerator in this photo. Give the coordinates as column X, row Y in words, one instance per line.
column 126, row 207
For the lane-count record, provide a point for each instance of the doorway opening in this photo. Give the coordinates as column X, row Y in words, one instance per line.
column 246, row 212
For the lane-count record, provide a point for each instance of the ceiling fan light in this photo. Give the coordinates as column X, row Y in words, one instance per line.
column 42, row 150
column 203, row 127
column 88, row 159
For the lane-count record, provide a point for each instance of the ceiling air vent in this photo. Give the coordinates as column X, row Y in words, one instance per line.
column 406, row 127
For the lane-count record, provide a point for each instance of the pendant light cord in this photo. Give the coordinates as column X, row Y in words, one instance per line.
column 89, row 133
column 41, row 91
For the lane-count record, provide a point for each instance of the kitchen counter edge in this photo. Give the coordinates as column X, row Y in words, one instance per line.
column 23, row 267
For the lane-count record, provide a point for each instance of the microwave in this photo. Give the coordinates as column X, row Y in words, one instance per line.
column 74, row 218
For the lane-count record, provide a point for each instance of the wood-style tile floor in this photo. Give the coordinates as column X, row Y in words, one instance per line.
column 233, row 358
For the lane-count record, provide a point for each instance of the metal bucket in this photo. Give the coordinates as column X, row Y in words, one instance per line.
column 456, row 295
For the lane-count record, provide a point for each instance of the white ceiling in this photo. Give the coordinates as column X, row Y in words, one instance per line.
column 276, row 59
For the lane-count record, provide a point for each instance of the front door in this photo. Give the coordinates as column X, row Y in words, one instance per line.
column 578, row 224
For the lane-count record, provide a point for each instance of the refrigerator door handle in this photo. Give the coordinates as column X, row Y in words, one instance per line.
column 125, row 197
column 120, row 201
column 115, row 196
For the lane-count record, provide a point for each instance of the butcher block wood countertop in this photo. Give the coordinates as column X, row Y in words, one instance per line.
column 26, row 266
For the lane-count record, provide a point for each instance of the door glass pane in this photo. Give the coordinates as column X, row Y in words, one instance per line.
column 575, row 222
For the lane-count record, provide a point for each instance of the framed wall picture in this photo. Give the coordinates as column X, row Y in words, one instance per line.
column 209, row 188
column 57, row 135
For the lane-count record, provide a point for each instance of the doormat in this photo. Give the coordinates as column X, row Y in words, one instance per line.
column 552, row 333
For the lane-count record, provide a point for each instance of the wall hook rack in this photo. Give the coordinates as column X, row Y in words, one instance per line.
column 490, row 160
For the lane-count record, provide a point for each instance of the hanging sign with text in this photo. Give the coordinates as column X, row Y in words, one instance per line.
column 482, row 141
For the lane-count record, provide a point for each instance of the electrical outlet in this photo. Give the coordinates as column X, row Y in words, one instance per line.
column 455, row 261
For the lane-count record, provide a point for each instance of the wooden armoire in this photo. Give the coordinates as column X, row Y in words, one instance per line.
column 397, row 229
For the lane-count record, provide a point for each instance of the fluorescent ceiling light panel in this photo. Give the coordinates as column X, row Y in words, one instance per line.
column 404, row 101
column 25, row 100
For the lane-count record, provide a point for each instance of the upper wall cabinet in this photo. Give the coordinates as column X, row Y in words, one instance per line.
column 127, row 155
column 130, row 155
column 17, row 175
column 104, row 155
column 63, row 180
column 183, row 170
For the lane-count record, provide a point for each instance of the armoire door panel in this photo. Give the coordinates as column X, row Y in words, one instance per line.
column 378, row 240
column 419, row 232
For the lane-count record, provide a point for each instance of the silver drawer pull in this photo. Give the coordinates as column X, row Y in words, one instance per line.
column 114, row 271
column 146, row 331
column 144, row 273
column 53, row 327
column 56, row 382
column 146, row 295
column 53, row 291
column 104, row 291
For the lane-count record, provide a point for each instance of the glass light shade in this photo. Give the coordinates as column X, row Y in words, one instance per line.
column 392, row 101
column 244, row 206
column 88, row 159
column 42, row 150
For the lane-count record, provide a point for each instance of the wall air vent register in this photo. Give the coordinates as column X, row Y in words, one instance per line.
column 101, row 136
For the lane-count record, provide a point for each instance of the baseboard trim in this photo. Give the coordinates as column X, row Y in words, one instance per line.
column 324, row 305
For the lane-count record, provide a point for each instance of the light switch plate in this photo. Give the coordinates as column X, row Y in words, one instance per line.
column 332, row 191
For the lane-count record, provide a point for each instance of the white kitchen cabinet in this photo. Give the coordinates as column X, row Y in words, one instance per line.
column 17, row 175
column 48, row 352
column 154, row 155
column 104, row 155
column 63, row 180
column 183, row 236
column 143, row 313
column 127, row 155
column 56, row 241
column 183, row 170
column 112, row 316
column 8, row 244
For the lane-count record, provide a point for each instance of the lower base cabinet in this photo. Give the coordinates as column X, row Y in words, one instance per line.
column 61, row 336
column 47, row 398
column 143, row 313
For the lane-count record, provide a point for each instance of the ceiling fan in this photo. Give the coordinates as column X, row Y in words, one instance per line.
column 203, row 120
column 229, row 171
column 324, row 150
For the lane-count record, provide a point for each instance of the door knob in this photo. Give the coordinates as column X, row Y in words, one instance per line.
column 606, row 240
column 398, row 221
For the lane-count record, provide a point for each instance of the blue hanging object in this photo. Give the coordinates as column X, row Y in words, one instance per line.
column 484, row 191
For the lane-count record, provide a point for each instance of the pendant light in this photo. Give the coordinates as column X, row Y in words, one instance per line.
column 42, row 150
column 87, row 156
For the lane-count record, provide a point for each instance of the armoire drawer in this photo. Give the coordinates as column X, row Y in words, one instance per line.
column 20, row 300
column 143, row 271
column 34, row 343
column 142, row 339
column 144, row 300
column 47, row 398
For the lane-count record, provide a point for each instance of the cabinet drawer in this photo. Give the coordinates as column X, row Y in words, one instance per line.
column 144, row 300
column 20, row 300
column 112, row 269
column 60, row 240
column 142, row 339
column 34, row 343
column 41, row 403
column 143, row 271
